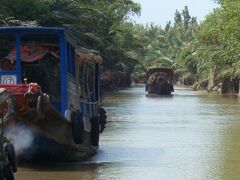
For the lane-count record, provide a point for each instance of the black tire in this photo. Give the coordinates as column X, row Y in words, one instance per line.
column 172, row 88
column 9, row 99
column 77, row 127
column 95, row 131
column 40, row 107
column 103, row 119
column 8, row 173
column 11, row 157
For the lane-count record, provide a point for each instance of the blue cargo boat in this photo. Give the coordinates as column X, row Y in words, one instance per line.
column 50, row 86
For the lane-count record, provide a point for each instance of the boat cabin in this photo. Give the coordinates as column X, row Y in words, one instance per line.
column 163, row 71
column 50, row 57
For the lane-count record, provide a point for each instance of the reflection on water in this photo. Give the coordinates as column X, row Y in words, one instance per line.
column 190, row 135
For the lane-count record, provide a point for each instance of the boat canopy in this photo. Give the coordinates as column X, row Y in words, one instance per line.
column 51, row 57
column 37, row 52
column 167, row 70
column 32, row 53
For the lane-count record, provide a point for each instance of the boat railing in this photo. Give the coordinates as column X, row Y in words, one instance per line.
column 89, row 108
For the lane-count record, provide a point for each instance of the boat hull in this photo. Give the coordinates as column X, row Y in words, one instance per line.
column 161, row 89
column 44, row 150
column 51, row 138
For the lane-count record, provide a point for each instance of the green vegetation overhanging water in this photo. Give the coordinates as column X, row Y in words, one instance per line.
column 187, row 136
column 190, row 135
column 205, row 53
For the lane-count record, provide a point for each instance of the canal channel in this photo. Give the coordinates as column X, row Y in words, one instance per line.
column 190, row 135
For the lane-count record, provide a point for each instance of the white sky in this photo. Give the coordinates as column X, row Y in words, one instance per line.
column 161, row 11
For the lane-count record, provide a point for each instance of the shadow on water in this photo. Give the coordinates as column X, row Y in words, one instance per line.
column 78, row 166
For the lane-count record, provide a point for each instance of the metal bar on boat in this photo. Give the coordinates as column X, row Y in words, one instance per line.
column 18, row 58
column 63, row 59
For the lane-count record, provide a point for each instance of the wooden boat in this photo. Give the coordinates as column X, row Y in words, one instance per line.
column 50, row 87
column 159, row 81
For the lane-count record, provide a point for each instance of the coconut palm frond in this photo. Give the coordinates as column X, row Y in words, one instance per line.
column 133, row 55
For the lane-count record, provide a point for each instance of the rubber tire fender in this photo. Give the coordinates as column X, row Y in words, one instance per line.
column 103, row 119
column 77, row 126
column 40, row 107
column 95, row 130
column 5, row 96
column 12, row 157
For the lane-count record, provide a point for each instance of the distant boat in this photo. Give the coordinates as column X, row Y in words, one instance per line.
column 159, row 80
column 50, row 86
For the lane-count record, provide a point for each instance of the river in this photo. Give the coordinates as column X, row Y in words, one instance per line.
column 190, row 135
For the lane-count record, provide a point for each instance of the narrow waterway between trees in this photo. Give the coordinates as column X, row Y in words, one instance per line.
column 190, row 135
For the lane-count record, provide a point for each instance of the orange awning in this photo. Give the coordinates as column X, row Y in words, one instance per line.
column 34, row 53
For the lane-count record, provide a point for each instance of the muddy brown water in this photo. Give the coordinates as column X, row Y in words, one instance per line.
column 188, row 136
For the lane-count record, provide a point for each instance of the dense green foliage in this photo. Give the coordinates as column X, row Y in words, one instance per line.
column 215, row 47
column 199, row 53
column 172, row 46
column 206, row 54
column 97, row 24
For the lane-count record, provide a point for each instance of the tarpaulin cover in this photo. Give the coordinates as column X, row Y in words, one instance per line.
column 34, row 53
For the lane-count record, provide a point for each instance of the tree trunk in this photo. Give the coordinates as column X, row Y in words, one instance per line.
column 210, row 79
column 226, row 86
column 236, row 86
column 238, row 89
column 230, row 86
